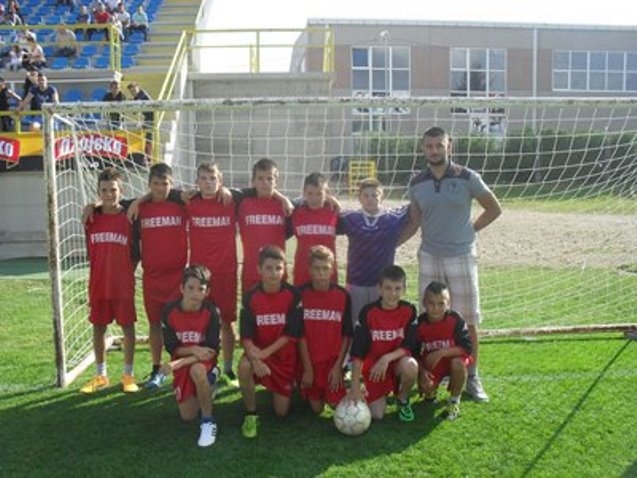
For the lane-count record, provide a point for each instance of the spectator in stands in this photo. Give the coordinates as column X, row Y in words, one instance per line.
column 6, row 122
column 139, row 22
column 72, row 4
column 14, row 58
column 30, row 81
column 65, row 42
column 149, row 117
column 122, row 20
column 14, row 7
column 34, row 56
column 114, row 93
column 10, row 18
column 84, row 17
column 38, row 95
column 101, row 17
column 111, row 6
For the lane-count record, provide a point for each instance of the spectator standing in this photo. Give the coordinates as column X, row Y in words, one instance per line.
column 122, row 20
column 6, row 122
column 34, row 57
column 149, row 117
column 114, row 93
column 66, row 42
column 101, row 17
column 83, row 17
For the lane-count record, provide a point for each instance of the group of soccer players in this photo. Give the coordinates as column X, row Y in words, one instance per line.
column 293, row 336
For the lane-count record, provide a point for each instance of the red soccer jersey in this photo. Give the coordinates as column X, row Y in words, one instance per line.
column 212, row 228
column 266, row 316
column 312, row 227
column 163, row 237
column 449, row 332
column 326, row 320
column 261, row 223
column 112, row 270
column 381, row 331
column 183, row 328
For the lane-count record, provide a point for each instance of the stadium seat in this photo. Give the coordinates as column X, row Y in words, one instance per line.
column 98, row 93
column 130, row 49
column 101, row 62
column 58, row 63
column 127, row 61
column 89, row 50
column 49, row 51
column 81, row 63
column 136, row 37
column 72, row 95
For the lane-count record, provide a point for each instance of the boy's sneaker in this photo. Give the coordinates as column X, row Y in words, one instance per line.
column 155, row 381
column 208, row 434
column 213, row 375
column 128, row 384
column 405, row 412
column 452, row 410
column 475, row 389
column 431, row 398
column 231, row 378
column 96, row 384
column 250, row 426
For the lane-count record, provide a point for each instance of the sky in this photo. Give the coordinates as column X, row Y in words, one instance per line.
column 294, row 13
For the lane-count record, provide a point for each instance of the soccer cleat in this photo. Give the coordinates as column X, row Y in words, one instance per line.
column 97, row 383
column 431, row 398
column 405, row 412
column 250, row 426
column 128, row 384
column 452, row 410
column 213, row 375
column 155, row 381
column 208, row 434
column 475, row 389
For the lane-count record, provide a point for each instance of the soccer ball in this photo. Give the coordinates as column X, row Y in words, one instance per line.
column 352, row 418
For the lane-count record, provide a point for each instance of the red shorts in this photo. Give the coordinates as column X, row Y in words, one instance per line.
column 376, row 390
column 281, row 378
column 443, row 368
column 183, row 385
column 102, row 312
column 320, row 388
column 160, row 291
column 223, row 292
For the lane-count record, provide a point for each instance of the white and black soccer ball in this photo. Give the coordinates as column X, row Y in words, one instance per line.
column 352, row 418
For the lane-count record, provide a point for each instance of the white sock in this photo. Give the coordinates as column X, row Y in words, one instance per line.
column 128, row 369
column 101, row 369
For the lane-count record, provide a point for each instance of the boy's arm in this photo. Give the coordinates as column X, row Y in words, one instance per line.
column 355, row 393
column 379, row 369
column 410, row 227
column 176, row 364
column 335, row 377
column 308, row 372
column 286, row 204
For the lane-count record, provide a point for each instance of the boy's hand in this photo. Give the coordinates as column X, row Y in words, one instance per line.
column 167, row 368
column 186, row 196
column 378, row 371
column 87, row 213
column 133, row 210
column 224, row 196
column 425, row 381
column 335, row 378
column 259, row 354
column 286, row 204
column 260, row 368
column 308, row 378
column 432, row 359
column 333, row 203
column 203, row 353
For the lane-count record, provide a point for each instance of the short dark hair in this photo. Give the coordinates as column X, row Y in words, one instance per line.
column 320, row 253
column 393, row 273
column 208, row 167
column 435, row 288
column 264, row 164
column 435, row 132
column 109, row 174
column 160, row 170
column 195, row 271
column 315, row 179
column 271, row 252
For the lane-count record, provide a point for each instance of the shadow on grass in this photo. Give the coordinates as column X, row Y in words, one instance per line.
column 631, row 471
column 110, row 433
column 549, row 444
column 24, row 268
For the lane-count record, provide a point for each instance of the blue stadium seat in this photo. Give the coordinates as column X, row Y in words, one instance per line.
column 89, row 50
column 49, row 50
column 128, row 61
column 136, row 37
column 98, row 93
column 130, row 49
column 72, row 95
column 58, row 63
column 81, row 63
column 101, row 62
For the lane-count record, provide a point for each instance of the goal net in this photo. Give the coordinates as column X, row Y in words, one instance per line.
column 561, row 258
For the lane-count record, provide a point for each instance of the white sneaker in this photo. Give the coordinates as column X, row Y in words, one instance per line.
column 475, row 389
column 208, row 434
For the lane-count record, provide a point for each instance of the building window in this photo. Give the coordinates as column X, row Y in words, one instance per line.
column 595, row 71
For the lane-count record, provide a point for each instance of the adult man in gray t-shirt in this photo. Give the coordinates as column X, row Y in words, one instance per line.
column 441, row 197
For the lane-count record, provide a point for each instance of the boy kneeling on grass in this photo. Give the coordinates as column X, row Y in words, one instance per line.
column 381, row 350
column 270, row 327
column 444, row 348
column 190, row 328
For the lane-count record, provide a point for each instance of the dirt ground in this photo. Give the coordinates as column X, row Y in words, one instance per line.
column 522, row 238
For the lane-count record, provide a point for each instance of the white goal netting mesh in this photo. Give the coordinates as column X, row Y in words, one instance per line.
column 563, row 254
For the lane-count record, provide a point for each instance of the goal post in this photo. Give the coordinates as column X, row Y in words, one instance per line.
column 561, row 259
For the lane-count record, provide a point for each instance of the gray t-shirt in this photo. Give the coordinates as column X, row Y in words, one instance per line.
column 445, row 207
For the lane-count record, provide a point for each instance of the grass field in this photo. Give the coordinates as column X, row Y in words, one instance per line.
column 561, row 406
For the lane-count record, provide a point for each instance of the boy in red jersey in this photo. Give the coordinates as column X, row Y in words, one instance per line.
column 161, row 226
column 381, row 350
column 212, row 232
column 444, row 346
column 270, row 327
column 190, row 328
column 314, row 223
column 109, row 240
column 261, row 221
column 327, row 333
